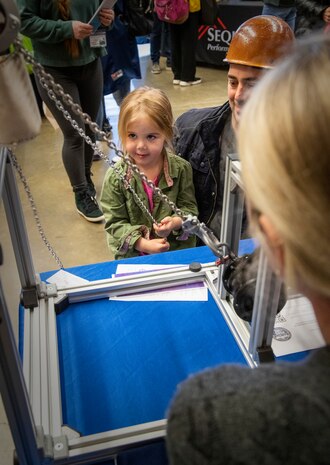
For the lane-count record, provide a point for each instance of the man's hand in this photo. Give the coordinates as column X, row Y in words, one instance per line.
column 167, row 225
column 81, row 30
column 152, row 246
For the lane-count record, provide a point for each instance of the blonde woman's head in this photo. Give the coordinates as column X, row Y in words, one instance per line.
column 284, row 145
column 149, row 102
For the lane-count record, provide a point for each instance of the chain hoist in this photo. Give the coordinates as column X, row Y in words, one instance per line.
column 55, row 90
column 190, row 223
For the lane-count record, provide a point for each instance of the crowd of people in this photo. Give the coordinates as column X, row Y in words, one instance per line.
column 277, row 119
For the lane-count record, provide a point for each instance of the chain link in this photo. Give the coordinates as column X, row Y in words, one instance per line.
column 33, row 206
column 53, row 90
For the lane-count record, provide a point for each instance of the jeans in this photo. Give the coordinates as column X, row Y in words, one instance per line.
column 288, row 14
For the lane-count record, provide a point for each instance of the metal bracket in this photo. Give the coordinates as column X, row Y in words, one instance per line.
column 29, row 298
column 45, row 291
column 60, row 447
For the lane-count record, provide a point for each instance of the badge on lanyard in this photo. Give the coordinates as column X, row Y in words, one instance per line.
column 98, row 39
column 117, row 74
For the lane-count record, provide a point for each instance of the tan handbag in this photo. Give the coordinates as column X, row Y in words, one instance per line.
column 19, row 113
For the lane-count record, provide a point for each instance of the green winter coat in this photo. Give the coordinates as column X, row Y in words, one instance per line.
column 125, row 222
column 41, row 22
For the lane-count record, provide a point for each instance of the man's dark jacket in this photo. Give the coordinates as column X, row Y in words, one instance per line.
column 197, row 140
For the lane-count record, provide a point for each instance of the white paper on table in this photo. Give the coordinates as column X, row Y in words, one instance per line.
column 64, row 279
column 125, row 269
column 183, row 292
column 296, row 328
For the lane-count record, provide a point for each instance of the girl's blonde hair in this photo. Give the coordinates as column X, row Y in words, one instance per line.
column 151, row 102
column 284, row 145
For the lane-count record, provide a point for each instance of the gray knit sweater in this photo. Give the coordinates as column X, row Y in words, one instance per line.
column 274, row 414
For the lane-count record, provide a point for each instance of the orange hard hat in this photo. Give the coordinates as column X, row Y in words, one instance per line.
column 260, row 41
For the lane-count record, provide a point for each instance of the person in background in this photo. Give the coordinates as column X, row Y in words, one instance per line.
column 206, row 136
column 159, row 44
column 183, row 48
column 145, row 128
column 312, row 16
column 68, row 48
column 120, row 65
column 285, row 9
column 277, row 413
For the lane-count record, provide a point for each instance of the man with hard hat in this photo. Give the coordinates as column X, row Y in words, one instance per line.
column 205, row 136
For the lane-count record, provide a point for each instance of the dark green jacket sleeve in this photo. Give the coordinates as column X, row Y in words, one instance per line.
column 41, row 20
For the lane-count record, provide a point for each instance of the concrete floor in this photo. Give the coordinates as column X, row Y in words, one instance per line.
column 75, row 240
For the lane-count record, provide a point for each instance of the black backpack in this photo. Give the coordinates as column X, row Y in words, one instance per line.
column 209, row 12
column 139, row 16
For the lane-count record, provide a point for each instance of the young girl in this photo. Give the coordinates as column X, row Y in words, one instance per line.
column 145, row 128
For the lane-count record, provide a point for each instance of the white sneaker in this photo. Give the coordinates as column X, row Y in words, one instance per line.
column 190, row 83
column 176, row 82
column 155, row 69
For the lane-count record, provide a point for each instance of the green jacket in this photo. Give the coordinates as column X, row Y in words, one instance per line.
column 125, row 220
column 40, row 21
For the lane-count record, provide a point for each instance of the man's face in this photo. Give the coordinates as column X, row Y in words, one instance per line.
column 241, row 80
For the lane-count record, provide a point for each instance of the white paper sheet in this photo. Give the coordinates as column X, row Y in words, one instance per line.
column 124, row 269
column 186, row 292
column 64, row 279
column 296, row 328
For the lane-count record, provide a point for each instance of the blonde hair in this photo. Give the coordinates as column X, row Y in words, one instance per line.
column 72, row 45
column 284, row 145
column 151, row 102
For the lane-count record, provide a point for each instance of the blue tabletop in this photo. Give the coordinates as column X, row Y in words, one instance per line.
column 121, row 362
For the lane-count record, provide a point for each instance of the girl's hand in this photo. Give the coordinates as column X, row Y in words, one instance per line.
column 167, row 225
column 81, row 30
column 106, row 16
column 152, row 246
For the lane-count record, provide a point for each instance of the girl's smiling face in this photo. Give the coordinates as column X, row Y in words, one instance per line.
column 144, row 142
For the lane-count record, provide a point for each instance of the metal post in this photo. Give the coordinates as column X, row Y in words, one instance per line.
column 268, row 288
column 232, row 214
column 18, row 234
column 14, row 393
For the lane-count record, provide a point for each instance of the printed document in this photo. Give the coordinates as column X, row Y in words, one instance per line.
column 296, row 328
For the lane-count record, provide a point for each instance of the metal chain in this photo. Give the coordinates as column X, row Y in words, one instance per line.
column 53, row 89
column 33, row 206
column 136, row 197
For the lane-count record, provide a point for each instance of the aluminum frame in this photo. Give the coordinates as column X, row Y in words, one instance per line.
column 41, row 437
column 45, row 397
column 268, row 285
